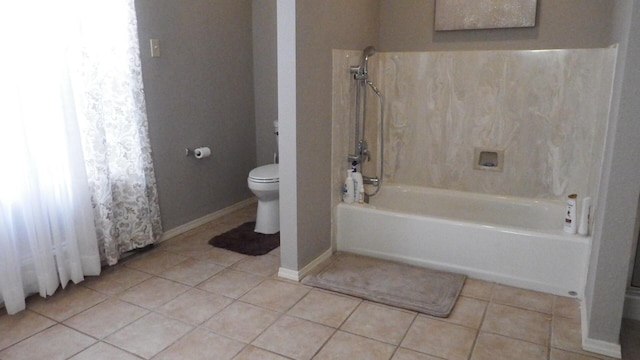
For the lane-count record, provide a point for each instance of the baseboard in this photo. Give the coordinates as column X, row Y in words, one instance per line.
column 602, row 347
column 632, row 304
column 205, row 219
column 597, row 346
column 299, row 275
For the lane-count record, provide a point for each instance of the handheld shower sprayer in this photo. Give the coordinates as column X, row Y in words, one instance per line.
column 366, row 53
column 361, row 72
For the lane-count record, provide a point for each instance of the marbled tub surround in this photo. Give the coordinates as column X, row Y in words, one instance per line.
column 547, row 109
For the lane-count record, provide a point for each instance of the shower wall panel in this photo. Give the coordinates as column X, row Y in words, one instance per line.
column 546, row 109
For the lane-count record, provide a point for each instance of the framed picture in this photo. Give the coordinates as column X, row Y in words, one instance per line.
column 484, row 14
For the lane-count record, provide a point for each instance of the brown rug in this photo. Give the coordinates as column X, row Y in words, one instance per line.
column 410, row 287
column 244, row 240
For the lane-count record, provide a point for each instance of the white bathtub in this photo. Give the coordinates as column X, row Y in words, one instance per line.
column 508, row 240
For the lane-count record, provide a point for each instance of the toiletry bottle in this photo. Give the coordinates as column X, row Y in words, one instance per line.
column 570, row 216
column 348, row 193
column 585, row 215
column 358, row 186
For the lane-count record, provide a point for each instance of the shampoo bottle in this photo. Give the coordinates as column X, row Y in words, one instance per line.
column 348, row 192
column 570, row 216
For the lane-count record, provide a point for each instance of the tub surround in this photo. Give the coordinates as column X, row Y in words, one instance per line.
column 547, row 109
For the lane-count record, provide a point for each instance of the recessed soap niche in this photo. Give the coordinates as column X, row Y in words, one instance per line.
column 488, row 159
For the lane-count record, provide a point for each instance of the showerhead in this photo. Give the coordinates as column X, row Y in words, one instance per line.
column 366, row 53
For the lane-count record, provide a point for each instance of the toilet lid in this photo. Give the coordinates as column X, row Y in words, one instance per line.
column 266, row 173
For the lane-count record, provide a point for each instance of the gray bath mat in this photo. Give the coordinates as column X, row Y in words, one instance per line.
column 410, row 287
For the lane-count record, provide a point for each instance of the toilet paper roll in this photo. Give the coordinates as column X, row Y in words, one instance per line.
column 202, row 152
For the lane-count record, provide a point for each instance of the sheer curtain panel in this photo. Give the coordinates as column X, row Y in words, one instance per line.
column 77, row 182
column 47, row 232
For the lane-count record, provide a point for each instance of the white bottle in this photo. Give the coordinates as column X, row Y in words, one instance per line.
column 358, row 186
column 570, row 216
column 348, row 192
column 585, row 217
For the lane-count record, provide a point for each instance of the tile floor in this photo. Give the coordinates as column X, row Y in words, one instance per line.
column 187, row 300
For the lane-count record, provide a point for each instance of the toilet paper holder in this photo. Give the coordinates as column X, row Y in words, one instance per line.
column 198, row 153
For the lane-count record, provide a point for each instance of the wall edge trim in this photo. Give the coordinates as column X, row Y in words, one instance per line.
column 593, row 345
column 299, row 275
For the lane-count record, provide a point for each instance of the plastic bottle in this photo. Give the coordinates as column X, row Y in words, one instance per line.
column 585, row 217
column 570, row 216
column 348, row 192
column 358, row 186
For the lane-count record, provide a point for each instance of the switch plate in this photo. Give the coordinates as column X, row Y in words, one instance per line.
column 155, row 47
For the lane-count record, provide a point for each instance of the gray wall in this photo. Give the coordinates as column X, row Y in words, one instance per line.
column 407, row 25
column 352, row 26
column 199, row 93
column 616, row 217
column 265, row 77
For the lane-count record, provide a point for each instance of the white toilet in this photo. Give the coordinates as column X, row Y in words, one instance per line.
column 264, row 182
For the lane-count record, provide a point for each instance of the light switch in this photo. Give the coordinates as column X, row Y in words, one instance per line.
column 155, row 47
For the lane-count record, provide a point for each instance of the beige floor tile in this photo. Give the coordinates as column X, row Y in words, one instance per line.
column 468, row 312
column 275, row 295
column 200, row 250
column 102, row 351
column 57, row 342
column 526, row 299
column 566, row 307
column 155, row 261
column 223, row 257
column 293, row 337
column 149, row 335
column 253, row 353
column 180, row 243
column 14, row 328
column 202, row 344
column 231, row 283
column 440, row 339
column 347, row 346
column 195, row 306
column 192, row 272
column 566, row 335
column 106, row 318
column 275, row 252
column 115, row 280
column 153, row 292
column 243, row 322
column 379, row 322
column 517, row 323
column 406, row 354
column 495, row 347
column 65, row 303
column 477, row 289
column 557, row 354
column 265, row 265
column 324, row 308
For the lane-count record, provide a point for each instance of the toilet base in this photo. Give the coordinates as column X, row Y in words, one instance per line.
column 268, row 217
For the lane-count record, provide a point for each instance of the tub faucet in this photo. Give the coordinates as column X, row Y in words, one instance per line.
column 371, row 181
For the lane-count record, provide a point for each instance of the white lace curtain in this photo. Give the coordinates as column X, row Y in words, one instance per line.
column 77, row 182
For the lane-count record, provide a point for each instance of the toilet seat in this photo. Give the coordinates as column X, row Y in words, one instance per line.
column 265, row 174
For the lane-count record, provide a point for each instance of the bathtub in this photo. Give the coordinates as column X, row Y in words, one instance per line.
column 508, row 240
